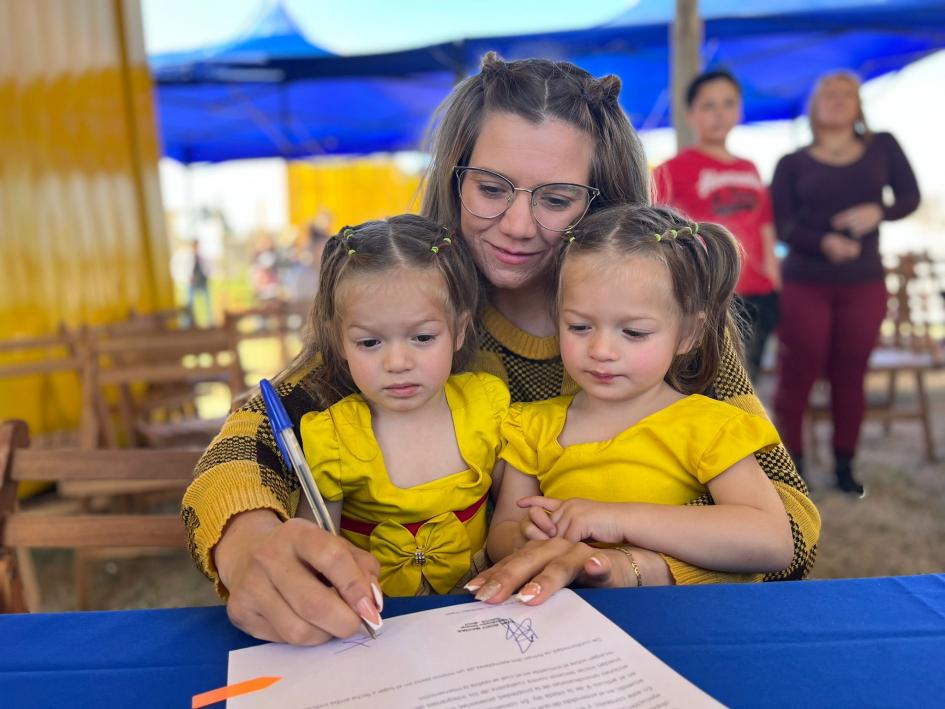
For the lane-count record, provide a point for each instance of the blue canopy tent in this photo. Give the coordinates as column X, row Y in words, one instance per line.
column 294, row 104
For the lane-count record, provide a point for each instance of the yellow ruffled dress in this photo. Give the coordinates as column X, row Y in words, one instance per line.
column 430, row 537
column 666, row 458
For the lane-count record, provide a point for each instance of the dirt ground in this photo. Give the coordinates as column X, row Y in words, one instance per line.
column 898, row 529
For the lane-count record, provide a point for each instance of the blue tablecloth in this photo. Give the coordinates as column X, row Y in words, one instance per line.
column 864, row 642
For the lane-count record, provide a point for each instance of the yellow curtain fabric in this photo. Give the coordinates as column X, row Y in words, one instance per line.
column 81, row 223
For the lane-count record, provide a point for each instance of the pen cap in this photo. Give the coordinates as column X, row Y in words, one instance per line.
column 277, row 414
column 278, row 418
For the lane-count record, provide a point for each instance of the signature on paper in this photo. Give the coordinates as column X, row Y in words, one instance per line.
column 351, row 643
column 521, row 633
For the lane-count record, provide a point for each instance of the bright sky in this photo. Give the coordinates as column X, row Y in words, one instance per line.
column 368, row 26
column 910, row 104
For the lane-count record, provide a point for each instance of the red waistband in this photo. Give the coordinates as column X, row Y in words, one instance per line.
column 365, row 528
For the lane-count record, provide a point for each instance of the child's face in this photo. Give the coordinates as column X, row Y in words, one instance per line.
column 396, row 336
column 618, row 325
column 716, row 109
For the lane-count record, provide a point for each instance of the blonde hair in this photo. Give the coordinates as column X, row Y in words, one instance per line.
column 860, row 128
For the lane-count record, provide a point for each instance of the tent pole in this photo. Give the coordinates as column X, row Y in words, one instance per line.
column 685, row 39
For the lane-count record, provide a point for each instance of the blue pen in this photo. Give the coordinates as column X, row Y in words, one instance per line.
column 293, row 456
column 295, row 459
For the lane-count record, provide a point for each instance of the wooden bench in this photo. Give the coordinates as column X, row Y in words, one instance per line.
column 21, row 530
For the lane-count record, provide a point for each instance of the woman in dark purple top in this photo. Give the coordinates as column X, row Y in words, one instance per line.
column 828, row 204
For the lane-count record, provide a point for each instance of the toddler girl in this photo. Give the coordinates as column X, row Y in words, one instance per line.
column 405, row 457
column 643, row 310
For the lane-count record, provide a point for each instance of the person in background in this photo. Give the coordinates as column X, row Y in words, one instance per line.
column 521, row 152
column 708, row 183
column 643, row 306
column 828, row 205
column 301, row 277
column 198, row 285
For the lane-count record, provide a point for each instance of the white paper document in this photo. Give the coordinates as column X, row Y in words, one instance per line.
column 563, row 653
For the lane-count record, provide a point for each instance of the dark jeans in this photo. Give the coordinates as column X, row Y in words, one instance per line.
column 760, row 316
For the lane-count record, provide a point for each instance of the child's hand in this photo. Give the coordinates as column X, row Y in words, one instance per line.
column 537, row 525
column 578, row 519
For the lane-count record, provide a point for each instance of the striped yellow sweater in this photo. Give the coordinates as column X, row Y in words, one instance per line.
column 241, row 470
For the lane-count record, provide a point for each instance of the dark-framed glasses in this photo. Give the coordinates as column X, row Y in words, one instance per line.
column 556, row 206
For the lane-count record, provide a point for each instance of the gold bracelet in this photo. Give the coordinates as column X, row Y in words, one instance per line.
column 633, row 564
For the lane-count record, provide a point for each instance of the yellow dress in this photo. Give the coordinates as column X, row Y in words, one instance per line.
column 666, row 458
column 427, row 537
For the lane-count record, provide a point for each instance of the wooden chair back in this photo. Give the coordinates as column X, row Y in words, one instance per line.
column 34, row 529
column 148, row 370
column 278, row 319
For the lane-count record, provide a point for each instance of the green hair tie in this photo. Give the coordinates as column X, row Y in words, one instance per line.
column 351, row 252
column 435, row 249
column 659, row 237
column 347, row 233
column 447, row 240
column 674, row 233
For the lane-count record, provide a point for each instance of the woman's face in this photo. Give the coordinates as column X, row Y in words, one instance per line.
column 836, row 104
column 512, row 250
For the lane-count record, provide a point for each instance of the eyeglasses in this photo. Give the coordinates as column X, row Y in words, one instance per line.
column 557, row 206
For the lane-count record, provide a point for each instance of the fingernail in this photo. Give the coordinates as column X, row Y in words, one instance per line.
column 378, row 597
column 528, row 592
column 368, row 612
column 488, row 591
column 594, row 561
column 473, row 586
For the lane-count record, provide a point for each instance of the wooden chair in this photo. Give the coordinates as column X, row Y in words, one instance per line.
column 46, row 357
column 140, row 372
column 908, row 350
column 278, row 319
column 21, row 529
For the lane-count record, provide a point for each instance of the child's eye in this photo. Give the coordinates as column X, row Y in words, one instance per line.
column 425, row 338
column 368, row 343
column 578, row 328
column 635, row 334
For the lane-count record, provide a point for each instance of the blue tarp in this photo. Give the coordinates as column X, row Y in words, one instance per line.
column 276, row 101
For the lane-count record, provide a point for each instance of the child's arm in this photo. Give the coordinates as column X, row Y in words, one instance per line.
column 507, row 532
column 746, row 530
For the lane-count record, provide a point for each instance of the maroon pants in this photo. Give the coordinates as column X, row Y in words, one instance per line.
column 827, row 331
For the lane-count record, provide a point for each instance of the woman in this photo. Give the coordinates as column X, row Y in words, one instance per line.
column 709, row 183
column 516, row 126
column 828, row 204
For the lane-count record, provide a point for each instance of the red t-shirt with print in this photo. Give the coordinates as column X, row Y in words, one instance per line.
column 730, row 193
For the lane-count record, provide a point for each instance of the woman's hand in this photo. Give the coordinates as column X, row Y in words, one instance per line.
column 293, row 582
column 858, row 220
column 542, row 567
column 578, row 519
column 839, row 249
